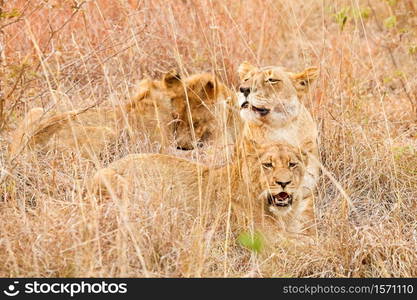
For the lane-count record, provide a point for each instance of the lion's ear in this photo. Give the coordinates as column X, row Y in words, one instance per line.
column 244, row 69
column 172, row 78
column 203, row 86
column 210, row 87
column 143, row 89
column 303, row 80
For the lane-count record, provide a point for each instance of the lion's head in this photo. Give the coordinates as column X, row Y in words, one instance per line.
column 193, row 105
column 172, row 84
column 271, row 94
column 279, row 169
column 160, row 92
column 195, row 110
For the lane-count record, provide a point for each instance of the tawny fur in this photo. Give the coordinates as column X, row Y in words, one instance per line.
column 196, row 110
column 269, row 101
column 147, row 114
column 205, row 113
column 245, row 182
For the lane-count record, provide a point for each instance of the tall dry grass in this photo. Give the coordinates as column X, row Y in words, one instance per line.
column 71, row 54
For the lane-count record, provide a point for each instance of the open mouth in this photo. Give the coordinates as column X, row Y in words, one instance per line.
column 282, row 199
column 261, row 111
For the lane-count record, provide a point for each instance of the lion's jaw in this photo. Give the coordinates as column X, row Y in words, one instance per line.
column 274, row 112
column 280, row 202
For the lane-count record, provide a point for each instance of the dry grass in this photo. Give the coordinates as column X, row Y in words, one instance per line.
column 61, row 56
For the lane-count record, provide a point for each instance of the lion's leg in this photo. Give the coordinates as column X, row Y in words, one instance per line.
column 108, row 183
column 89, row 141
column 165, row 137
column 23, row 132
column 308, row 221
column 165, row 130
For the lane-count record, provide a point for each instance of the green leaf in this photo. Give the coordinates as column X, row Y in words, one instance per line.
column 391, row 2
column 251, row 241
column 341, row 17
column 14, row 13
column 390, row 22
column 364, row 13
column 399, row 73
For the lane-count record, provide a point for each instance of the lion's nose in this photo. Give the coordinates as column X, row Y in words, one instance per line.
column 245, row 91
column 283, row 184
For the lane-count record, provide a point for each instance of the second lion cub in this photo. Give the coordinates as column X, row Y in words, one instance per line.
column 263, row 183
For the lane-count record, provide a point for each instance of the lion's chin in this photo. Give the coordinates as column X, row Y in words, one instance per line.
column 251, row 116
column 279, row 211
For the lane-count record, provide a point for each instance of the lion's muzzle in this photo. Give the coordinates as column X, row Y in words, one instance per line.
column 261, row 111
column 245, row 104
column 281, row 199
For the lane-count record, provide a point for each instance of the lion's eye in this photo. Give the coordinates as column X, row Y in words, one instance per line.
column 267, row 165
column 273, row 80
column 292, row 164
column 246, row 79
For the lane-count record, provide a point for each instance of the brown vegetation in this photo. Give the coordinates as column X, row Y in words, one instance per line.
column 58, row 54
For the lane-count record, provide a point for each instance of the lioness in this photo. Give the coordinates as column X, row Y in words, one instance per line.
column 262, row 183
column 269, row 103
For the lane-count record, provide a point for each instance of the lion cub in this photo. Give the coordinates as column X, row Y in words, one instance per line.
column 263, row 182
column 269, row 100
column 147, row 114
column 189, row 112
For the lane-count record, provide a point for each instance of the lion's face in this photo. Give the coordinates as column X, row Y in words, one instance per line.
column 270, row 94
column 195, row 110
column 282, row 168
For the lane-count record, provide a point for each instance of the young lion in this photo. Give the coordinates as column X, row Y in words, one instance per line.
column 269, row 103
column 147, row 114
column 191, row 110
column 264, row 183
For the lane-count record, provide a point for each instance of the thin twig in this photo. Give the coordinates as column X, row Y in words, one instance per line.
column 395, row 64
column 55, row 31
